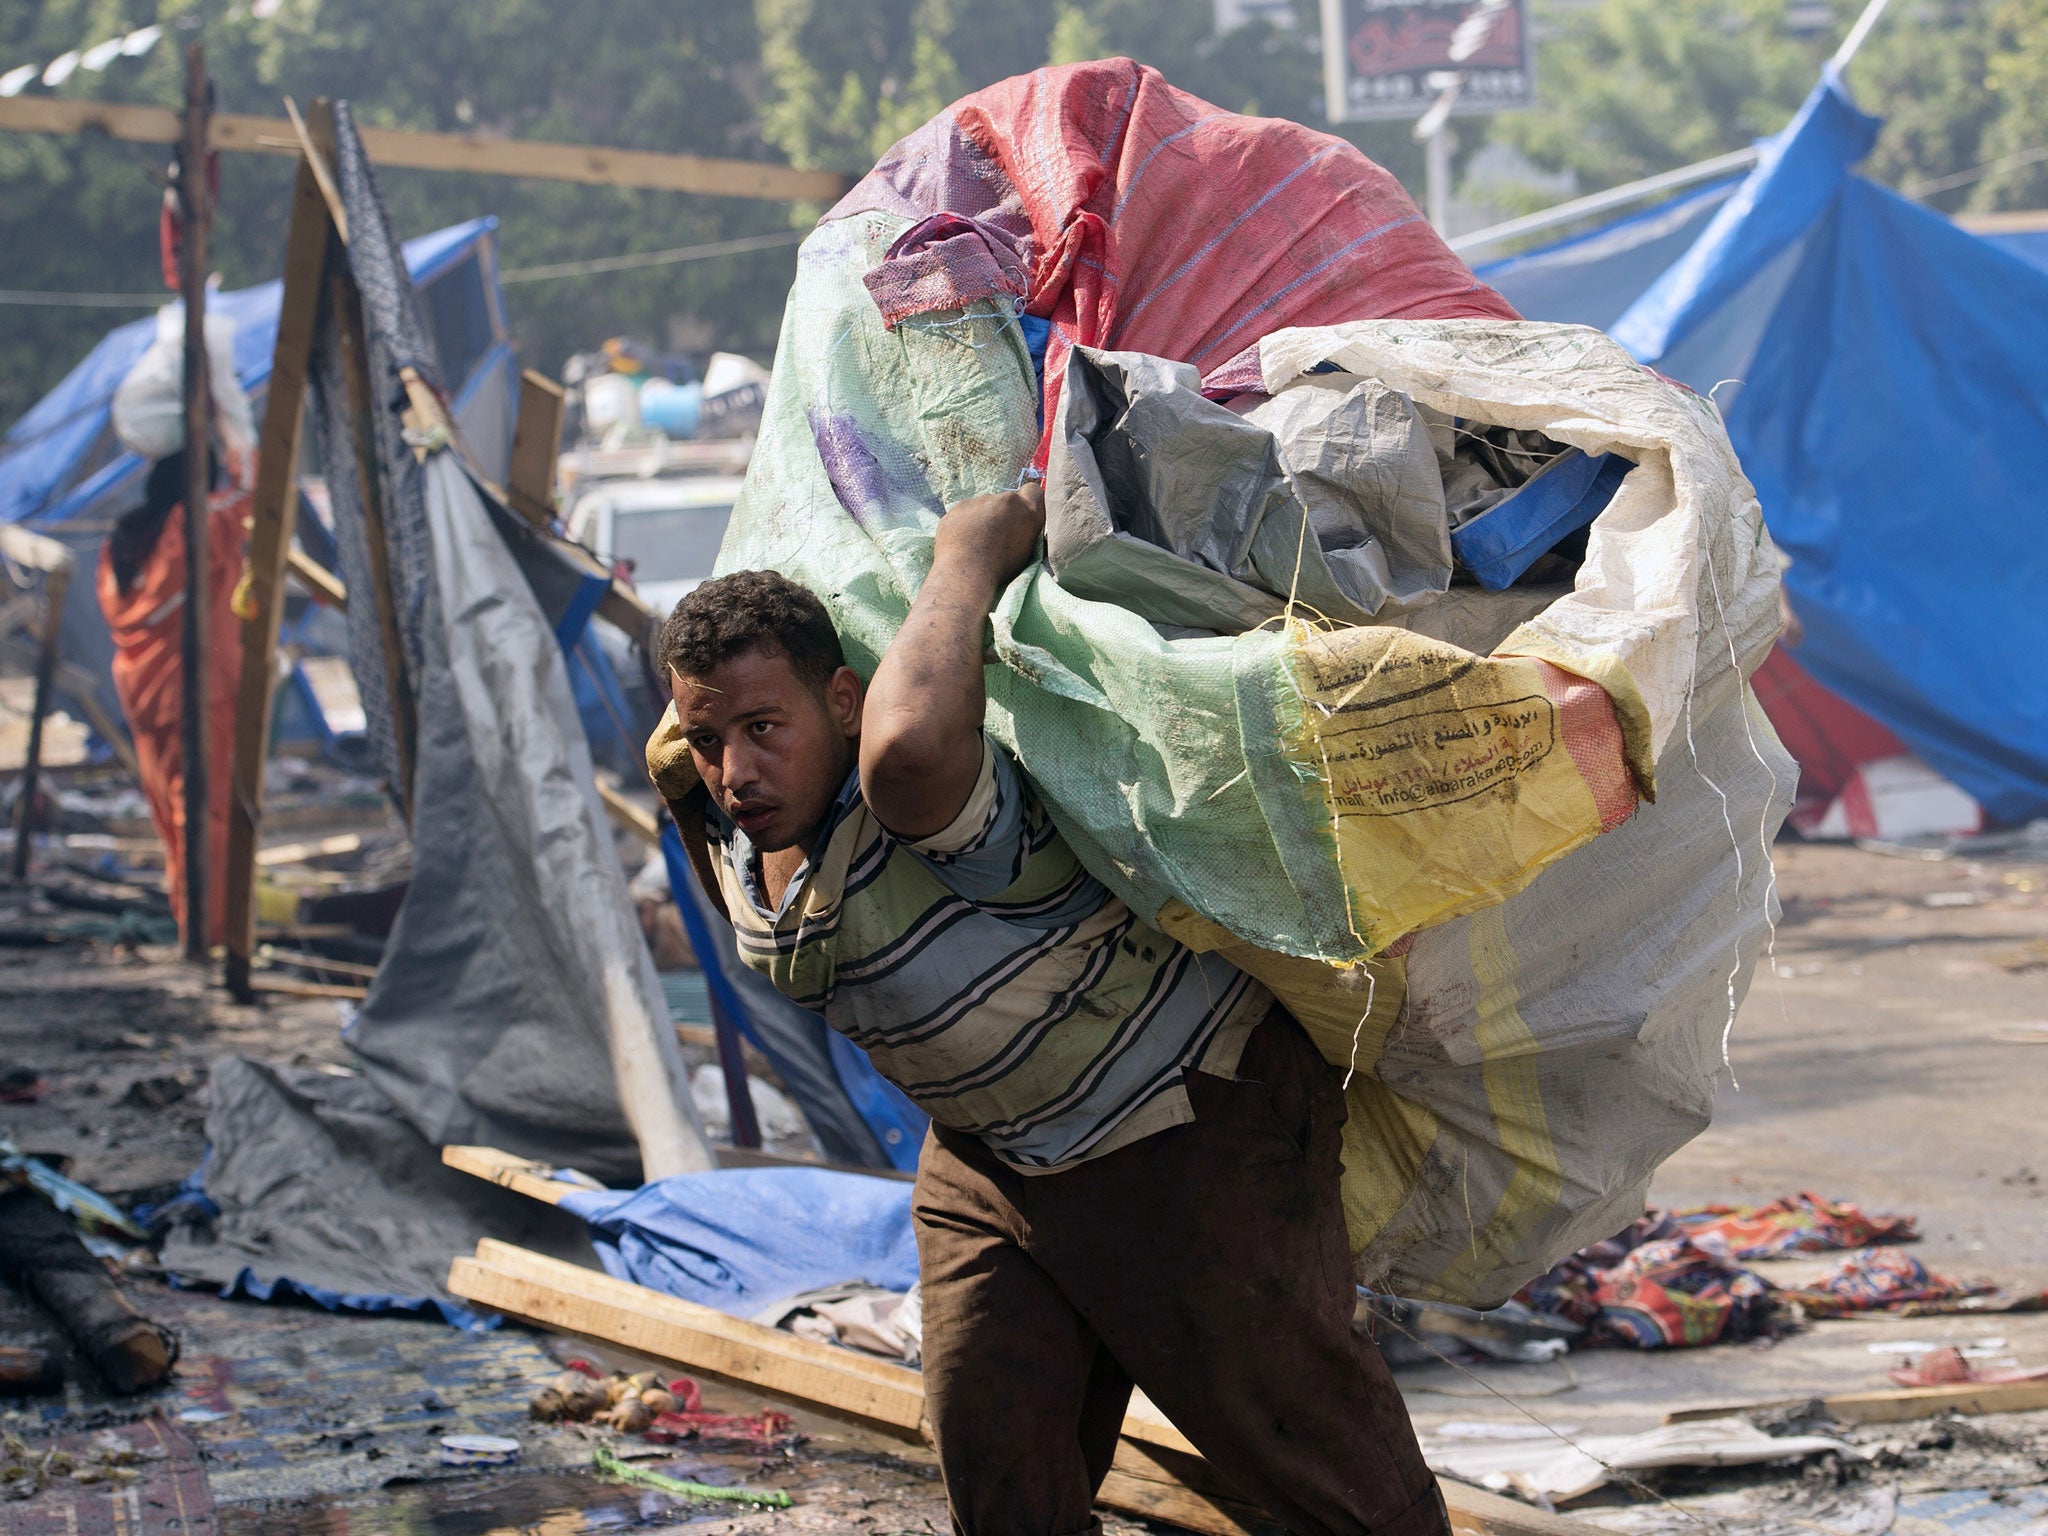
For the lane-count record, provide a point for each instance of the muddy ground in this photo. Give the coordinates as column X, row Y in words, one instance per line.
column 1895, row 1054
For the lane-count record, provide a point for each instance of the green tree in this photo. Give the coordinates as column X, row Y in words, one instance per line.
column 1628, row 88
column 644, row 74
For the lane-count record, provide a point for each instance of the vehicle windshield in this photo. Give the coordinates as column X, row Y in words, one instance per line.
column 670, row 543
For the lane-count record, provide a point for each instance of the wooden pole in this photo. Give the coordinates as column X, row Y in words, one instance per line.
column 590, row 164
column 54, row 583
column 270, row 544
column 196, row 209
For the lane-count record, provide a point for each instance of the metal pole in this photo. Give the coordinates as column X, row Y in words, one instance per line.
column 1857, row 35
column 54, row 583
column 1336, row 108
column 195, row 207
column 1614, row 197
column 1437, row 150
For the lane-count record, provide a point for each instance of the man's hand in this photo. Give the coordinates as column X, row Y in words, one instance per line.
column 996, row 536
column 920, row 739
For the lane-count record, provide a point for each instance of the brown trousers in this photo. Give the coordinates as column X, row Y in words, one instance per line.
column 1207, row 1264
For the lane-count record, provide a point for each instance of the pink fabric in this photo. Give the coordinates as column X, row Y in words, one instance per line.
column 945, row 262
column 1161, row 224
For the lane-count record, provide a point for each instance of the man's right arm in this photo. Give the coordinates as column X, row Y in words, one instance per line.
column 921, row 726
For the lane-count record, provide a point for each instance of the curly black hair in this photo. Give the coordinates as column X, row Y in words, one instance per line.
column 744, row 611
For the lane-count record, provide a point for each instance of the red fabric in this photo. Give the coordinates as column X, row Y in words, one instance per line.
column 1154, row 222
column 149, row 676
column 1827, row 736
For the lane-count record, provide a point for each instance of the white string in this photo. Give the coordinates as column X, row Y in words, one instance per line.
column 1763, row 824
column 1371, row 984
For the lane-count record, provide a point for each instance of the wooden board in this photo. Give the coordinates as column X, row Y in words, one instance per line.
column 1893, row 1405
column 590, row 164
column 536, row 441
column 642, row 1325
column 289, row 986
column 519, row 1174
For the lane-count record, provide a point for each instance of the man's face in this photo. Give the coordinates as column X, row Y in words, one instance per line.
column 772, row 749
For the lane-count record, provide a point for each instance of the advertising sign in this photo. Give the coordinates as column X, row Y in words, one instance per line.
column 1392, row 58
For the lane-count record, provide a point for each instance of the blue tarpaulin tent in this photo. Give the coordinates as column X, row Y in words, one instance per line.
column 1884, row 374
column 63, row 471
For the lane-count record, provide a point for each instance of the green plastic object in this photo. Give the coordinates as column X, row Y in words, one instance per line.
column 625, row 1472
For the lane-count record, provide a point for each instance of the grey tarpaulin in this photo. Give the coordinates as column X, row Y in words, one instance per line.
column 516, row 989
column 1191, row 513
column 321, row 1186
column 516, row 1003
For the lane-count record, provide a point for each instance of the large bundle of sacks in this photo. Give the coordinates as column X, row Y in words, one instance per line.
column 1326, row 668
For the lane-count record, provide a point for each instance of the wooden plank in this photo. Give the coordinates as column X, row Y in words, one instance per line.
column 1476, row 1512
column 1179, row 1489
column 1892, row 1405
column 274, row 508
column 589, row 164
column 305, row 962
column 646, row 1328
column 300, row 853
column 288, row 986
column 1969, row 1398
column 195, row 224
column 576, row 1279
column 325, row 586
column 634, row 818
column 536, row 442
column 520, row 1174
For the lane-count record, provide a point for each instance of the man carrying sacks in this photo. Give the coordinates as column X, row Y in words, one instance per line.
column 1132, row 1171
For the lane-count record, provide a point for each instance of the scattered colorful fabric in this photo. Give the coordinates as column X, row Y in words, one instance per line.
column 1880, row 1279
column 1652, row 1287
column 1802, row 1223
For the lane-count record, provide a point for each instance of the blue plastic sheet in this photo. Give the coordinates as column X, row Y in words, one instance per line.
column 1885, row 378
column 741, row 1238
column 48, row 444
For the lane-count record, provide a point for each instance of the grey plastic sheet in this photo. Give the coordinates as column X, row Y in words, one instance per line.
column 1199, row 516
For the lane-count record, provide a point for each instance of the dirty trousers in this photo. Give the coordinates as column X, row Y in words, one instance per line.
column 1207, row 1264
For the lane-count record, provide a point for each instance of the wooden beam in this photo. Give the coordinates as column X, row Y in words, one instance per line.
column 667, row 1329
column 520, row 1174
column 536, row 441
column 195, row 224
column 1895, row 1405
column 589, row 164
column 636, row 819
column 348, row 970
column 287, row 986
column 274, row 509
column 325, row 586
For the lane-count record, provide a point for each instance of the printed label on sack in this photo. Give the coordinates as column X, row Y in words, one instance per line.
column 1436, row 757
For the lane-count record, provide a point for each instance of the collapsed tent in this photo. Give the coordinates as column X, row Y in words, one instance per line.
column 1881, row 374
column 62, row 470
column 516, row 1003
column 1418, row 831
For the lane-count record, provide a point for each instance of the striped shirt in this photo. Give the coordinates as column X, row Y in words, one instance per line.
column 991, row 977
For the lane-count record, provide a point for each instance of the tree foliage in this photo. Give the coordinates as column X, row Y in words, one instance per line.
column 1627, row 88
